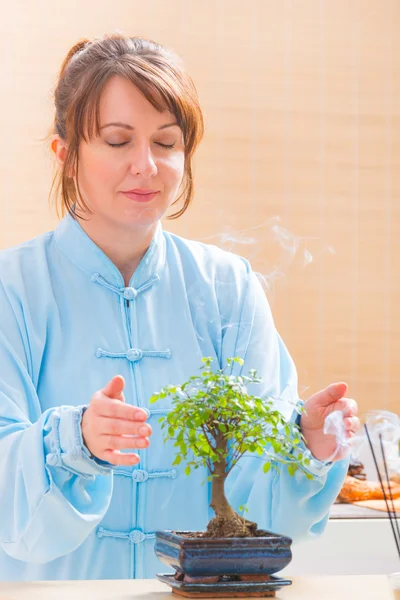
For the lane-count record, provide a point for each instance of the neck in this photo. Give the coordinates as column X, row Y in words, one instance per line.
column 124, row 247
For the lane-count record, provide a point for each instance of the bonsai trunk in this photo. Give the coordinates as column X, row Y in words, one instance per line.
column 227, row 522
column 219, row 502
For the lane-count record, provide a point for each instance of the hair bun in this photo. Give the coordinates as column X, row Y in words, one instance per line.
column 74, row 50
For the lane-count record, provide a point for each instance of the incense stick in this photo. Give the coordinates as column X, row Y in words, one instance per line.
column 397, row 542
column 389, row 487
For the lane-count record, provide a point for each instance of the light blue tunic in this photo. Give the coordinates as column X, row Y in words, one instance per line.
column 67, row 326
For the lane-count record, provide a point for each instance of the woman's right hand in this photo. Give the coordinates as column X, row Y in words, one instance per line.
column 109, row 425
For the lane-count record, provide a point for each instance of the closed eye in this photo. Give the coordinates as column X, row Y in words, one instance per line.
column 167, row 146
column 117, row 145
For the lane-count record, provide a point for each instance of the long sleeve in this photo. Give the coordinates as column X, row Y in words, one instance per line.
column 52, row 494
column 277, row 501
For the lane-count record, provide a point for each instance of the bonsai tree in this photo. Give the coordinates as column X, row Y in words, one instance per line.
column 214, row 421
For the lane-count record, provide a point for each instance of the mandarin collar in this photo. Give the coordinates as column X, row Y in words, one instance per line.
column 78, row 247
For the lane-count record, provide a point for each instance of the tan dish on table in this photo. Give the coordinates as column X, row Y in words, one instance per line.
column 354, row 490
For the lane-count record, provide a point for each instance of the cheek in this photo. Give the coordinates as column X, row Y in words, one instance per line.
column 98, row 173
column 172, row 169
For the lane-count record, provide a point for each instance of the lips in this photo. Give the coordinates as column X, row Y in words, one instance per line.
column 143, row 191
column 141, row 195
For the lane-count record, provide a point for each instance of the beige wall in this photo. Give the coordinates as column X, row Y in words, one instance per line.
column 302, row 107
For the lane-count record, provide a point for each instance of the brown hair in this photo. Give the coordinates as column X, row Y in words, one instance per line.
column 159, row 75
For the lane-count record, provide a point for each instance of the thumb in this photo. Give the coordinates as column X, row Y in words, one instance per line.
column 114, row 388
column 333, row 393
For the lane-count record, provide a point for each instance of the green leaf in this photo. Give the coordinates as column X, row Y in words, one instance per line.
column 292, row 468
column 178, row 460
column 187, row 470
column 239, row 360
column 207, row 360
column 192, row 436
column 266, row 467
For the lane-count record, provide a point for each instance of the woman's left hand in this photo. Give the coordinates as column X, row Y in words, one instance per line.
column 321, row 445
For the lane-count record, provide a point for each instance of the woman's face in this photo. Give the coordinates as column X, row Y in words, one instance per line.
column 131, row 173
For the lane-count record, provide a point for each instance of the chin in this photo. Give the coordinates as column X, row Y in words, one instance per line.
column 145, row 219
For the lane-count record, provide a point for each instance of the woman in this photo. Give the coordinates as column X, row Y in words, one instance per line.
column 103, row 312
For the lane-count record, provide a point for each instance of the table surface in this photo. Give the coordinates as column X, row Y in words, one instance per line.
column 364, row 587
column 352, row 511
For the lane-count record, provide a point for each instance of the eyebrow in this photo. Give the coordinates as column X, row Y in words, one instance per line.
column 126, row 126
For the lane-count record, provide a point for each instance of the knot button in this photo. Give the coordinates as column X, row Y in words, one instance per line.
column 139, row 475
column 136, row 536
column 54, row 460
column 134, row 354
column 129, row 293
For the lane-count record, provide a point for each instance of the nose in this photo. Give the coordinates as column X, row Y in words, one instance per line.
column 142, row 161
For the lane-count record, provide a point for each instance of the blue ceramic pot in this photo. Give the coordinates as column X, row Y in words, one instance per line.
column 198, row 557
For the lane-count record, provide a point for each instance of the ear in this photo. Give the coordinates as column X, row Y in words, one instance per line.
column 60, row 147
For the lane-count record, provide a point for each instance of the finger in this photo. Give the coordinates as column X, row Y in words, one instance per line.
column 109, row 426
column 119, row 410
column 352, row 424
column 337, row 390
column 121, row 458
column 119, row 442
column 114, row 388
column 349, row 407
column 333, row 393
